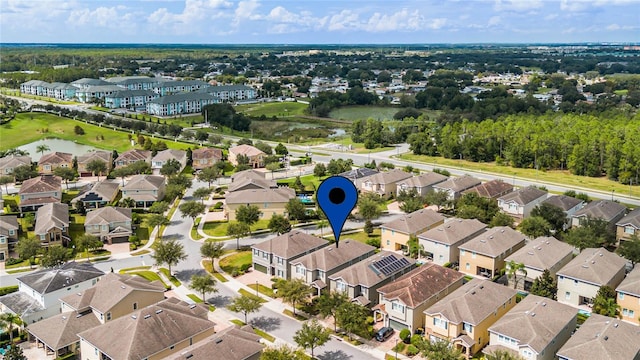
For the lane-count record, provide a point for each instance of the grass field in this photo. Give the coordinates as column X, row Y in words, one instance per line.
column 263, row 290
column 363, row 112
column 251, row 295
column 270, row 109
column 359, row 236
column 220, row 228
column 30, row 127
column 554, row 176
column 235, row 261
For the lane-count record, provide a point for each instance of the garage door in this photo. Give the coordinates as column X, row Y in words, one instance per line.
column 261, row 268
column 397, row 325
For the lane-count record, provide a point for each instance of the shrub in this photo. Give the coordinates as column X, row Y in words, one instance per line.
column 8, row 289
column 405, row 335
column 399, row 347
column 244, row 267
column 416, row 339
column 375, row 242
column 412, row 350
column 369, row 320
column 12, row 261
column 218, row 205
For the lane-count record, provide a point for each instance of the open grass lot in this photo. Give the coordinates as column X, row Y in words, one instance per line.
column 310, row 182
column 554, row 176
column 235, row 261
column 364, row 112
column 148, row 275
column 359, row 236
column 28, row 127
column 263, row 290
column 273, row 109
column 220, row 228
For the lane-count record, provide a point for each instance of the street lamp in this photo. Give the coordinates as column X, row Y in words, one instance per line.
column 612, row 194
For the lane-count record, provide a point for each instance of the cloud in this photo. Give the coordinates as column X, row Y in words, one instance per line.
column 344, row 20
column 191, row 17
column 517, row 5
column 246, row 10
column 402, row 20
column 493, row 21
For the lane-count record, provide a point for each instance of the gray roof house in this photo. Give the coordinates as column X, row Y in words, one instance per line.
column 580, row 280
column 491, row 189
column 485, row 254
column 250, row 183
column 9, row 230
column 454, row 186
column 628, row 226
column 629, row 296
column 52, row 224
column 422, row 183
column 384, row 183
column 441, row 243
column 110, row 224
column 144, row 189
column 248, row 174
column 8, row 163
column 274, row 255
column 83, row 160
column 316, row 267
column 568, row 204
column 162, row 157
column 38, row 191
column 602, row 337
column 395, row 234
column 232, row 343
column 101, row 194
column 607, row 210
column 131, row 156
column 205, row 157
column 356, row 175
column 535, row 328
column 518, row 204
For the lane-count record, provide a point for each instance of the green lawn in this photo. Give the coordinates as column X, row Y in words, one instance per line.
column 263, row 290
column 263, row 334
column 76, row 226
column 171, row 278
column 219, row 228
column 149, row 275
column 215, row 274
column 235, row 261
column 194, row 230
column 359, row 236
column 125, row 270
column 195, row 298
column 278, row 109
column 364, row 112
column 310, row 182
column 251, row 295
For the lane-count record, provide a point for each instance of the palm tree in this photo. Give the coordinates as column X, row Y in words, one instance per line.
column 128, row 202
column 42, row 148
column 513, row 268
column 7, row 320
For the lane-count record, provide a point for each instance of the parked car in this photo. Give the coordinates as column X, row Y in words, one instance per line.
column 384, row 333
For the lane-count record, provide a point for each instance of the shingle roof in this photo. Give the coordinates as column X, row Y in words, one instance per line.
column 330, row 257
column 105, row 189
column 182, row 97
column 229, row 88
column 541, row 253
column 89, row 81
column 535, row 321
column 250, row 173
column 420, row 284
column 144, row 182
column 107, row 215
column 14, row 161
column 358, row 173
column 524, row 196
column 472, row 302
column 52, row 215
column 458, row 184
column 422, row 180
column 104, row 156
column 415, row 222
column 603, row 338
column 150, row 330
column 388, row 177
column 40, row 184
column 232, row 343
column 495, row 241
column 491, row 189
column 596, row 266
column 453, row 231
column 279, row 195
column 290, row 244
column 131, row 79
column 21, row 303
column 245, row 149
column 134, row 155
column 252, row 183
column 131, row 93
column 362, row 273
column 62, row 330
column 206, row 153
column 632, row 219
column 601, row 209
column 101, row 88
column 49, row 280
column 8, row 222
column 169, row 154
column 564, row 202
column 631, row 283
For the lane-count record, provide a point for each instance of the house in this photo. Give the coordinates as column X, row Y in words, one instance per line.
column 629, row 297
column 38, row 191
column 87, row 82
column 39, row 291
column 602, row 337
column 162, row 157
column 384, row 183
column 114, row 296
column 251, row 183
column 8, row 163
column 144, row 189
column 101, row 193
column 182, row 103
column 273, row 257
column 518, row 204
column 51, row 161
column 250, row 174
column 421, row 184
column 269, row 201
column 535, row 328
column 228, row 93
column 131, row 156
column 232, row 343
column 402, row 302
column 135, row 100
column 205, row 157
column 485, row 254
column 168, row 87
column 361, row 281
column 454, row 186
column 441, row 243
column 154, row 332
column 628, row 226
column 465, row 315
column 52, row 224
column 580, row 280
column 83, row 160
column 395, row 234
column 255, row 155
column 135, row 82
column 491, row 189
column 315, row 268
column 109, row 224
column 606, row 210
column 9, row 230
column 568, row 204
column 356, row 175
column 543, row 253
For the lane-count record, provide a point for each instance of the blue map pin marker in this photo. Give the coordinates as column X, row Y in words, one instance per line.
column 337, row 196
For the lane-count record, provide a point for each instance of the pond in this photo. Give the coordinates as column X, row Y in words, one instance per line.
column 338, row 132
column 55, row 145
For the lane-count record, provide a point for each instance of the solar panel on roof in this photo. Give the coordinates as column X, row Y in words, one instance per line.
column 389, row 265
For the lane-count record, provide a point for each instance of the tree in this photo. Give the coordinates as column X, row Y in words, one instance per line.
column 294, row 291
column 88, row 242
column 352, row 318
column 328, row 304
column 204, row 284
column 368, row 208
column 7, row 320
column 127, row 202
column 158, row 207
column 320, row 170
column 630, row 249
column 209, row 174
column 298, row 185
column 24, row 172
column 284, row 352
column 279, row 224
column 248, row 214
column 545, row 285
column 28, row 248
column 66, row 174
column 502, row 355
column 55, row 255
column 412, row 204
column 170, row 168
column 245, row 304
column 6, row 180
column 212, row 250
column 169, row 252
column 554, row 215
column 191, row 209
column 15, row 353
column 296, row 209
column 605, row 302
column 591, row 233
column 121, row 172
column 238, row 230
column 438, row 198
column 281, row 149
column 97, row 167
column 440, row 350
column 155, row 220
column 535, row 226
column 42, row 148
column 273, row 167
column 311, row 335
column 513, row 268
column 501, row 219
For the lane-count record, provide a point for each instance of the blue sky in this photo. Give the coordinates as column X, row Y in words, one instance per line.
column 319, row 21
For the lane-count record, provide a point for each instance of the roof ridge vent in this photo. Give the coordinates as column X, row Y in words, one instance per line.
column 483, row 240
column 192, row 306
column 490, row 236
column 134, row 317
column 158, row 311
column 615, row 325
column 529, row 252
column 122, row 286
column 585, row 266
column 147, row 316
column 218, row 340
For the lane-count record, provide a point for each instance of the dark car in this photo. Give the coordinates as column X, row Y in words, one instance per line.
column 384, row 333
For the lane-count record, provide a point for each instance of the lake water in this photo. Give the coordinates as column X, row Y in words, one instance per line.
column 55, row 145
